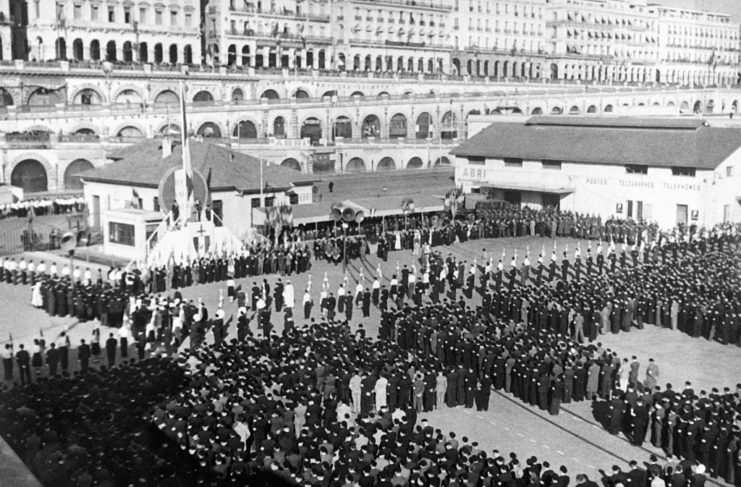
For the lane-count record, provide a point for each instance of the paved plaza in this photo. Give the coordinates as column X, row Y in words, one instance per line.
column 574, row 438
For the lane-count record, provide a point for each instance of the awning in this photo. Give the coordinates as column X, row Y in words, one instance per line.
column 391, row 205
column 538, row 187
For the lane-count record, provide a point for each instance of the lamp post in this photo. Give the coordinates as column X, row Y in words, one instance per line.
column 344, row 246
column 346, row 216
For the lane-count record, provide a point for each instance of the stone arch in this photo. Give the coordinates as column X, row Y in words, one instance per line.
column 203, row 97
column 608, row 109
column 110, row 51
column 386, row 164
column 30, row 172
column 279, row 127
column 130, row 130
column 245, row 129
column 78, row 49
column 448, row 126
column 6, row 99
column 301, row 94
column 329, row 93
column 574, row 110
column 556, row 110
column 473, row 112
column 457, row 66
column 697, row 107
column 72, row 179
column 270, row 94
column 41, row 96
column 167, row 97
column 358, row 94
column 398, row 126
column 685, row 106
column 536, row 111
column 442, row 161
column 209, row 130
column 356, row 164
column 342, row 127
column 127, row 95
column 95, row 50
column 371, row 126
column 128, row 52
column 311, row 128
column 710, row 106
column 382, row 95
column 592, row 109
column 415, row 163
column 84, row 128
column 291, row 163
column 237, row 95
column 424, row 121
column 169, row 129
column 88, row 95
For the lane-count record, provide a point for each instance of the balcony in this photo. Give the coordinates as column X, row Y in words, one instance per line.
column 287, row 14
column 412, row 4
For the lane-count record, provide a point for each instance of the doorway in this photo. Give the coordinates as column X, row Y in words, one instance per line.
column 681, row 214
column 513, row 197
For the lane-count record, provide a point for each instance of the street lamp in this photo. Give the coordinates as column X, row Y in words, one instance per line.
column 345, row 215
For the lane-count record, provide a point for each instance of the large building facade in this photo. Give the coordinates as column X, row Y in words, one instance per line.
column 117, row 32
column 671, row 171
column 615, row 41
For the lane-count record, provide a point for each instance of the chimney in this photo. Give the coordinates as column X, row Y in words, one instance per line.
column 166, row 147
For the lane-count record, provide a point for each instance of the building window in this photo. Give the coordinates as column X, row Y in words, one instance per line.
column 142, row 15
column 256, row 203
column 173, row 17
column 636, row 169
column 511, row 162
column 729, row 171
column 188, row 20
column 552, row 165
column 94, row 12
column 127, row 15
column 121, row 233
column 156, row 203
column 78, row 11
column 158, row 17
column 269, row 201
column 478, row 161
column 683, row 171
column 111, row 14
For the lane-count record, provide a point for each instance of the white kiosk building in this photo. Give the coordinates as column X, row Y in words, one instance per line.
column 124, row 197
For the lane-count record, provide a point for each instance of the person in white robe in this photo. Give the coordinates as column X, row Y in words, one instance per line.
column 380, row 391
column 36, row 299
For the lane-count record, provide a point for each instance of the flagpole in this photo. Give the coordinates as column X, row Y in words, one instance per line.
column 259, row 154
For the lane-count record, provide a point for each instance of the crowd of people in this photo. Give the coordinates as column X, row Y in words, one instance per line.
column 42, row 207
column 321, row 405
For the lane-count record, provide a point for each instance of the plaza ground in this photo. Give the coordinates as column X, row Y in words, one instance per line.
column 574, row 438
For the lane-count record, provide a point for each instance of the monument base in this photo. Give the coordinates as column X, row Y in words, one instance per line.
column 191, row 241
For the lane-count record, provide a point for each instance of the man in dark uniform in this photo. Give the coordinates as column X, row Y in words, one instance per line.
column 111, row 344
column 83, row 355
column 24, row 364
column 366, row 303
column 639, row 419
column 52, row 359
